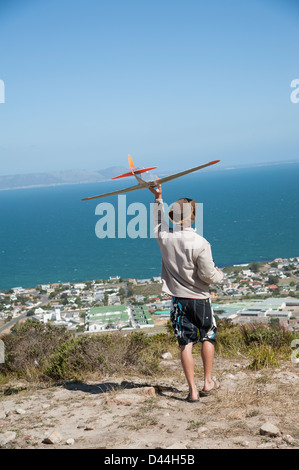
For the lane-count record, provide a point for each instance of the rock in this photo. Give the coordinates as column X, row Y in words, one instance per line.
column 89, row 427
column 166, row 355
column 7, row 436
column 70, row 441
column 20, row 411
column 269, row 429
column 53, row 438
column 149, row 391
column 290, row 440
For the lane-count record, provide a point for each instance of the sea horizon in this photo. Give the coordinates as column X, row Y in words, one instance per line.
column 163, row 172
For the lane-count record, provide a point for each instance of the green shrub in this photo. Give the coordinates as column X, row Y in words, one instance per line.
column 264, row 346
column 263, row 355
column 103, row 354
column 262, row 335
column 38, row 351
column 28, row 347
column 229, row 338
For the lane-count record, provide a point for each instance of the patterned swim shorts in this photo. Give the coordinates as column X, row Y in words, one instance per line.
column 190, row 316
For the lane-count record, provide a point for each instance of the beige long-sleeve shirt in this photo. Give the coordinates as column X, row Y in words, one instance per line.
column 187, row 264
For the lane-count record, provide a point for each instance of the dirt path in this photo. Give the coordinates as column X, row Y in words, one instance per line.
column 151, row 413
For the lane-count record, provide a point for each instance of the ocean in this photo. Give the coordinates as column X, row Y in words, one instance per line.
column 48, row 234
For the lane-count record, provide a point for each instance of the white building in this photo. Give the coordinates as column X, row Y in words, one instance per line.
column 18, row 290
column 280, row 314
column 247, row 273
column 80, row 286
column 254, row 312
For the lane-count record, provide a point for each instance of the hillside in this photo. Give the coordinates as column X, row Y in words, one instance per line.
column 128, row 412
column 58, row 178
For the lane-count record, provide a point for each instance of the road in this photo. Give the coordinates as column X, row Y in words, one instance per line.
column 13, row 321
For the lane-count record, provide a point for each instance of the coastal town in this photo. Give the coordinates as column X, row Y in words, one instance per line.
column 266, row 292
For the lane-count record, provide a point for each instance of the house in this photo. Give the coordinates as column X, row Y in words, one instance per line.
column 93, row 327
column 79, row 286
column 18, row 290
column 45, row 286
column 113, row 299
column 39, row 311
column 247, row 273
column 272, row 287
column 139, row 298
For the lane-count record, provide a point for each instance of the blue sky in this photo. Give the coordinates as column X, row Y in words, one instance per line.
column 173, row 83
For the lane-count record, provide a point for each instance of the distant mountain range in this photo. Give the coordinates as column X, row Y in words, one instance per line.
column 55, row 178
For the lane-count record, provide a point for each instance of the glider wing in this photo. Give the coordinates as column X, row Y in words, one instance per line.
column 143, row 184
column 120, row 191
column 181, row 173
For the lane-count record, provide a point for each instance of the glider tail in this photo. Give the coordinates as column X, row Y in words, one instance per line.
column 133, row 171
column 132, row 166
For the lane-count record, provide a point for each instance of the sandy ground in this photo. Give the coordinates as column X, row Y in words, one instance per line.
column 152, row 413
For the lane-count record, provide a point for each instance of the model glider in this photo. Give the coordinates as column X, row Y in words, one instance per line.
column 147, row 184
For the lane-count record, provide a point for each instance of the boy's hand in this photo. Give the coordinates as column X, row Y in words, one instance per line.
column 157, row 191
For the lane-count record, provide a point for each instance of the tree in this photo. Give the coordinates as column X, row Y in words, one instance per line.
column 30, row 313
column 274, row 323
column 254, row 267
column 273, row 280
